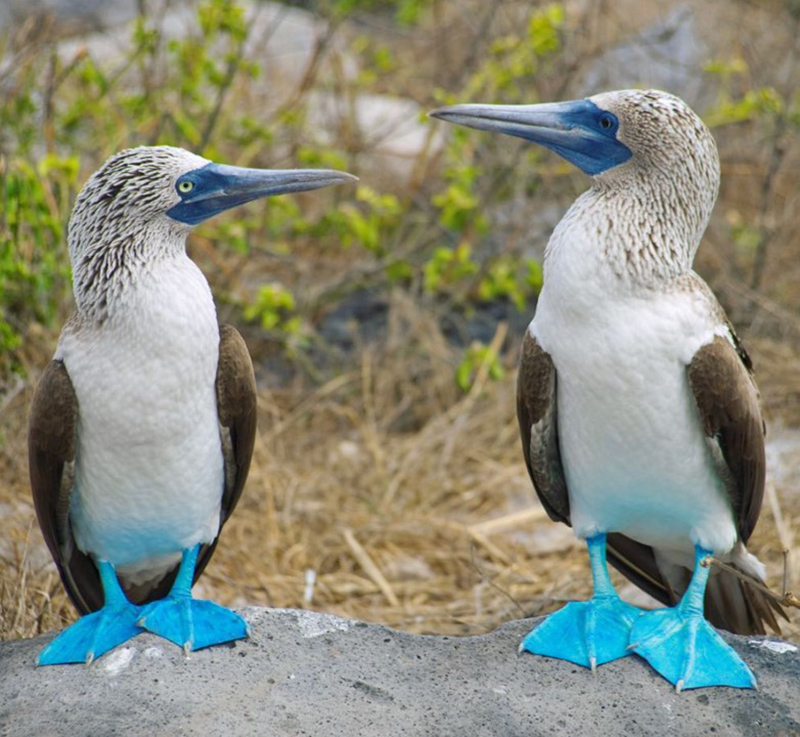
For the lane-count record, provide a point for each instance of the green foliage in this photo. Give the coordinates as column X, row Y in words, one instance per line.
column 753, row 104
column 476, row 356
column 34, row 269
column 320, row 157
column 61, row 116
column 448, row 266
column 177, row 97
column 90, row 109
column 507, row 75
column 534, row 277
column 18, row 112
column 377, row 60
column 772, row 119
column 747, row 239
column 399, row 271
column 508, row 278
column 406, row 12
column 458, row 203
column 274, row 308
column 368, row 220
column 544, row 29
column 514, row 59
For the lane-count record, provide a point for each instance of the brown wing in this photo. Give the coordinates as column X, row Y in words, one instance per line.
column 236, row 407
column 727, row 402
column 537, row 416
column 51, row 455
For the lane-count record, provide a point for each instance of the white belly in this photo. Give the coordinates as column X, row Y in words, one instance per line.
column 634, row 453
column 149, row 467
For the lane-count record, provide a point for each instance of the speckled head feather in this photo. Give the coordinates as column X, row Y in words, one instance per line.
column 674, row 167
column 119, row 222
column 662, row 131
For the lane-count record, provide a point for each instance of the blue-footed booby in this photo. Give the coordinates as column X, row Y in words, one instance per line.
column 142, row 426
column 639, row 417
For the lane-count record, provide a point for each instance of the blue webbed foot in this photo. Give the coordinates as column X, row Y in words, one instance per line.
column 98, row 632
column 587, row 633
column 92, row 635
column 684, row 648
column 191, row 623
column 687, row 651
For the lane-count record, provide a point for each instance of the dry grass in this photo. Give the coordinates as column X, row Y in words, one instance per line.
column 408, row 501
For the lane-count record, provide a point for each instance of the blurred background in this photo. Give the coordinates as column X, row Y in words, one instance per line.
column 384, row 320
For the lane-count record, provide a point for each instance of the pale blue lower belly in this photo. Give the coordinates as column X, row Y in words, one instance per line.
column 149, row 470
column 640, row 465
column 127, row 508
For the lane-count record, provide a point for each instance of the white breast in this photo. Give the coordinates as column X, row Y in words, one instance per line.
column 149, row 469
column 634, row 453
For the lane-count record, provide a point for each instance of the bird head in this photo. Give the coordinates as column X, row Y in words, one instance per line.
column 608, row 136
column 644, row 145
column 143, row 201
column 178, row 189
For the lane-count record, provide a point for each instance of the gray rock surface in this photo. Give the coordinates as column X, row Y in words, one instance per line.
column 69, row 15
column 667, row 55
column 304, row 673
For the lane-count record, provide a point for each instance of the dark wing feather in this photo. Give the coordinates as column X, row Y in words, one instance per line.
column 720, row 376
column 51, row 455
column 727, row 400
column 236, row 406
column 538, row 426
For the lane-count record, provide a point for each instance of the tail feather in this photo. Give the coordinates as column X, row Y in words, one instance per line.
column 739, row 607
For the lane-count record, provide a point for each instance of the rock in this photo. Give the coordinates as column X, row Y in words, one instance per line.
column 281, row 40
column 70, row 16
column 358, row 318
column 668, row 55
column 304, row 673
column 389, row 129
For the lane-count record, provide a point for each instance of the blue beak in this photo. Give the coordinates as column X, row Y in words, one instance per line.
column 579, row 131
column 213, row 188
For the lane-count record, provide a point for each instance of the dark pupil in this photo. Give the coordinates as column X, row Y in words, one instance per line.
column 605, row 122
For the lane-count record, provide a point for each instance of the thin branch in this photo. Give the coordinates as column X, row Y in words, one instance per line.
column 787, row 599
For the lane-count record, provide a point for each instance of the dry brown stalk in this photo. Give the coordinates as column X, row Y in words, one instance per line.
column 372, row 570
column 501, row 524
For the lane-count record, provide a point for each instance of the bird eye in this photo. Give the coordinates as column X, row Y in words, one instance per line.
column 185, row 186
column 606, row 121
